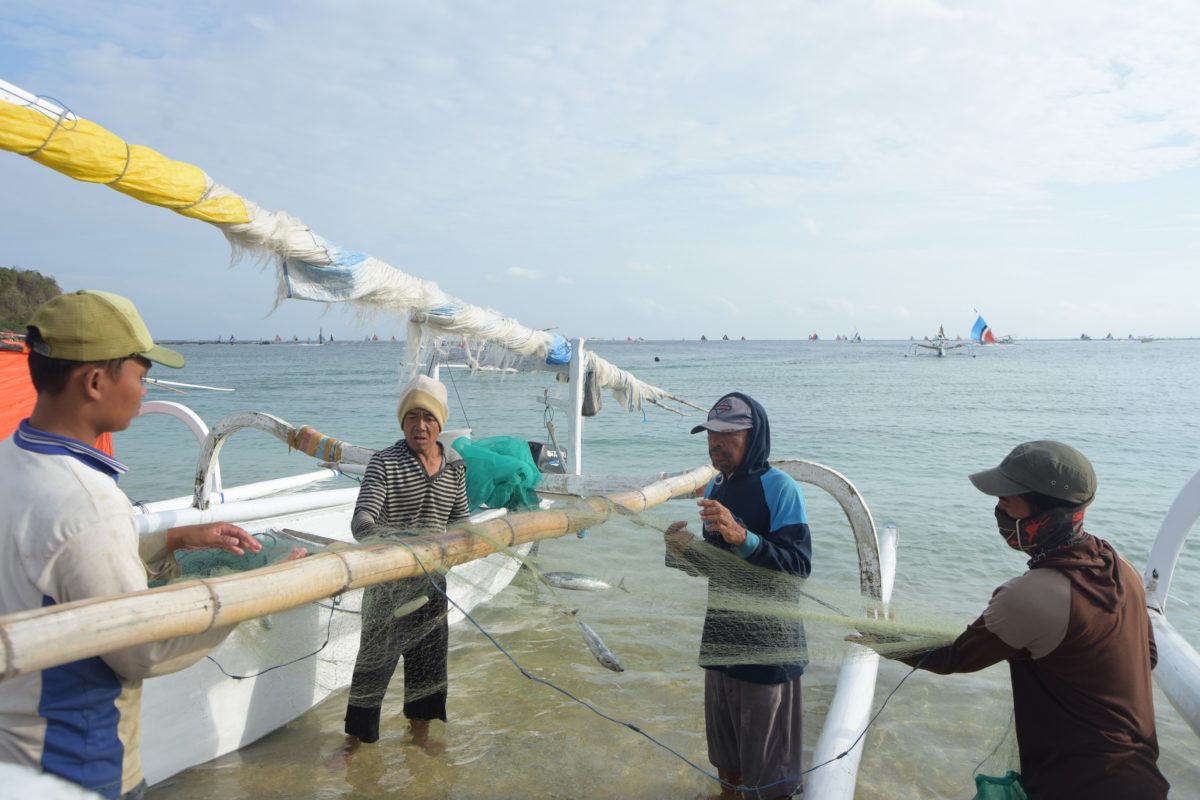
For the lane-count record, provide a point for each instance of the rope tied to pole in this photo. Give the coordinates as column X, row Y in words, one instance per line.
column 309, row 440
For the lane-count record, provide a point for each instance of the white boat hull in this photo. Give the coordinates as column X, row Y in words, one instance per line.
column 200, row 713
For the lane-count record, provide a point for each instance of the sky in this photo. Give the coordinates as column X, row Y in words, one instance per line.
column 644, row 169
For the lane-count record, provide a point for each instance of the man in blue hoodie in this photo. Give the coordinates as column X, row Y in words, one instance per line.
column 755, row 551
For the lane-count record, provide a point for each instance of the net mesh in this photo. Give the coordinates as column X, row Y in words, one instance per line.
column 758, row 612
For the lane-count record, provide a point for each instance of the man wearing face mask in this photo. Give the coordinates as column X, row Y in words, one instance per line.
column 1075, row 632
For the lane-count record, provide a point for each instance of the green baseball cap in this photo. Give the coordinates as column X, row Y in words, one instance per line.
column 1046, row 467
column 90, row 325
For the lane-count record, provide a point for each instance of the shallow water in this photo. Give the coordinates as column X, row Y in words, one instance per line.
column 905, row 430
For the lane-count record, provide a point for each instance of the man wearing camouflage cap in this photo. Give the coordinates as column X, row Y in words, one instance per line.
column 1075, row 632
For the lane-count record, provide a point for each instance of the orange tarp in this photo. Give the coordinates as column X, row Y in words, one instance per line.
column 17, row 396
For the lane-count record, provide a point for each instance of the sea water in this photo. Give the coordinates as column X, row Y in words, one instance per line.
column 905, row 429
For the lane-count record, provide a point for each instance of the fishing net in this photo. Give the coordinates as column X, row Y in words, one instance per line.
column 1007, row 787
column 501, row 472
column 763, row 616
column 748, row 615
column 211, row 563
column 997, row 777
column 759, row 616
column 572, row 639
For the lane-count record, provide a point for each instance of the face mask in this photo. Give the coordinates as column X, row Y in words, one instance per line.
column 1043, row 532
column 1010, row 530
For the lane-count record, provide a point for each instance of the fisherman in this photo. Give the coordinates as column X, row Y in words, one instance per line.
column 1075, row 632
column 418, row 485
column 756, row 546
column 67, row 533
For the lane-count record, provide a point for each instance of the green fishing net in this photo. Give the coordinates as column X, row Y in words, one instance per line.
column 1005, row 788
column 501, row 472
column 207, row 563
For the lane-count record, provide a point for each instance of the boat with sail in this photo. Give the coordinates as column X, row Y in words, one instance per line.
column 981, row 332
column 295, row 604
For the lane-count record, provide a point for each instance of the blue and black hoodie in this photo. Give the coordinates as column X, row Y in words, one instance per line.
column 767, row 571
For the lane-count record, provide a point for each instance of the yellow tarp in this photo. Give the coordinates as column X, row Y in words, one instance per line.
column 87, row 152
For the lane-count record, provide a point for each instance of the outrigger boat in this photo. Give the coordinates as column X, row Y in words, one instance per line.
column 940, row 346
column 293, row 605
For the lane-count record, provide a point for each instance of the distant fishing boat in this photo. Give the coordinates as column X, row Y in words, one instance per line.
column 981, row 333
column 941, row 346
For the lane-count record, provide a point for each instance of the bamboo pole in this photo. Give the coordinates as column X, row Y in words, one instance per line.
column 42, row 638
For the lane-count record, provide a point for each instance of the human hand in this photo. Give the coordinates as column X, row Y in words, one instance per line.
column 220, row 535
column 678, row 537
column 719, row 519
column 296, row 554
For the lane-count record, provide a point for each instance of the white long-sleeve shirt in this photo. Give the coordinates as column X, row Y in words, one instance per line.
column 67, row 533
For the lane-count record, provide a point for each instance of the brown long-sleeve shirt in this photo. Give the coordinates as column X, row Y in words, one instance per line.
column 1077, row 637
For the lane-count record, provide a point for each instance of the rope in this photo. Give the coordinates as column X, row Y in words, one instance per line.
column 458, row 395
column 128, row 158
column 58, row 123
column 328, row 633
column 309, row 440
column 203, row 196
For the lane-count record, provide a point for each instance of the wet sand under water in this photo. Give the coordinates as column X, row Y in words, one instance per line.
column 511, row 737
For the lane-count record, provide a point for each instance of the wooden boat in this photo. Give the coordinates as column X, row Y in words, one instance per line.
column 294, row 605
column 299, row 655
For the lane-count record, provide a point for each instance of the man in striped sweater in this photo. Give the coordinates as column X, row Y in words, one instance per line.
column 417, row 485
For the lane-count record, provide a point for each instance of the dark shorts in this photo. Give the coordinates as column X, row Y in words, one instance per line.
column 738, row 715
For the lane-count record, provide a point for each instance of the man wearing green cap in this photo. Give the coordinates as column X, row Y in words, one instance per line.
column 1075, row 632
column 67, row 533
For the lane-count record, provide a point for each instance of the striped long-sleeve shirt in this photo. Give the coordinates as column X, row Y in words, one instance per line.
column 397, row 493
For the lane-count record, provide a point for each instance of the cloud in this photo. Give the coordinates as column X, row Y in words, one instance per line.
column 523, row 273
column 807, row 142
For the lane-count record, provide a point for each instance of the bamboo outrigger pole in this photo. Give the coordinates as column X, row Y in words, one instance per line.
column 43, row 638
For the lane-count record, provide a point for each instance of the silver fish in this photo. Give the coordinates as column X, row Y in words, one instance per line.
column 575, row 580
column 410, row 606
column 599, row 649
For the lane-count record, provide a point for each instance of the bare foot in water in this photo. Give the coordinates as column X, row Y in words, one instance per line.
column 344, row 754
column 420, row 736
